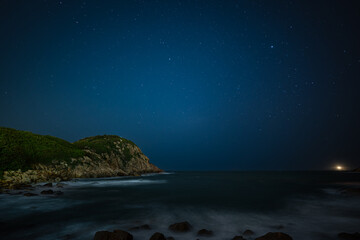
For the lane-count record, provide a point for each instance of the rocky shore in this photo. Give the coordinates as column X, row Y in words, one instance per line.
column 48, row 159
column 184, row 227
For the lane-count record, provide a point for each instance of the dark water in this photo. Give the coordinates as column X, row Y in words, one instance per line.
column 308, row 205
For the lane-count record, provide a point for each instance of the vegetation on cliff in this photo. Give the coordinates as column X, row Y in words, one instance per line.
column 24, row 156
column 22, row 149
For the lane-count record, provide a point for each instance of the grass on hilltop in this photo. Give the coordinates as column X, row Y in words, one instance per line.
column 21, row 149
column 104, row 144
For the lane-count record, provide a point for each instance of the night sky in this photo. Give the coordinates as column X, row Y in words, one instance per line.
column 197, row 85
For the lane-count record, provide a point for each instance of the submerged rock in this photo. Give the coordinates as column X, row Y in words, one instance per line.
column 180, row 227
column 248, row 232
column 60, row 185
column 352, row 191
column 238, row 238
column 349, row 236
column 116, row 235
column 142, row 227
column 48, row 185
column 205, row 233
column 158, row 236
column 274, row 236
column 58, row 193
column 47, row 192
column 28, row 194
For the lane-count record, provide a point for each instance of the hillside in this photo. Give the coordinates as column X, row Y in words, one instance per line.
column 27, row 157
column 21, row 149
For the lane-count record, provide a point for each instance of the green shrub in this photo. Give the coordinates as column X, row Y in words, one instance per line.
column 21, row 149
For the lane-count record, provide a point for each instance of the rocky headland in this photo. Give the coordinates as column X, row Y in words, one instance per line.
column 27, row 158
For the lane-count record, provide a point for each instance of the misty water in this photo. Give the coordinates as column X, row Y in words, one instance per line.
column 305, row 205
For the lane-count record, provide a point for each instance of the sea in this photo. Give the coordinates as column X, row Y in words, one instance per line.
column 306, row 205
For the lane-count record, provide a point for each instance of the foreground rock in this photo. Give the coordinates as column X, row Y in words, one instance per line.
column 349, row 236
column 274, row 236
column 180, row 227
column 142, row 227
column 205, row 233
column 158, row 236
column 116, row 235
column 238, row 238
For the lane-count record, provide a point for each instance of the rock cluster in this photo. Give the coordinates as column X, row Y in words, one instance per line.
column 349, row 236
column 183, row 227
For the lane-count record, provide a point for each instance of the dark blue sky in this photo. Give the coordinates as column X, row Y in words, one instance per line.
column 198, row 85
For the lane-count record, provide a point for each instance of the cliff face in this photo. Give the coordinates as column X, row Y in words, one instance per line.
column 38, row 158
column 120, row 157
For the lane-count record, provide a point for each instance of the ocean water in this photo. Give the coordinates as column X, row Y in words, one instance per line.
column 306, row 205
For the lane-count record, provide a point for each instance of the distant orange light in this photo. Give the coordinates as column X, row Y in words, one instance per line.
column 339, row 167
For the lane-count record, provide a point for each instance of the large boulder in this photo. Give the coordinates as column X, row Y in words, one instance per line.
column 116, row 235
column 205, row 233
column 158, row 236
column 349, row 236
column 274, row 236
column 238, row 238
column 180, row 227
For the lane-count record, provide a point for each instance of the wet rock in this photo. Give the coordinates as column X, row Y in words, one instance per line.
column 116, row 235
column 29, row 194
column 68, row 237
column 47, row 192
column 121, row 235
column 60, row 185
column 158, row 236
column 48, row 185
column 142, row 227
column 248, row 232
column 352, row 191
column 274, row 236
column 180, row 227
column 170, row 238
column 205, row 233
column 102, row 235
column 238, row 238
column 349, row 236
